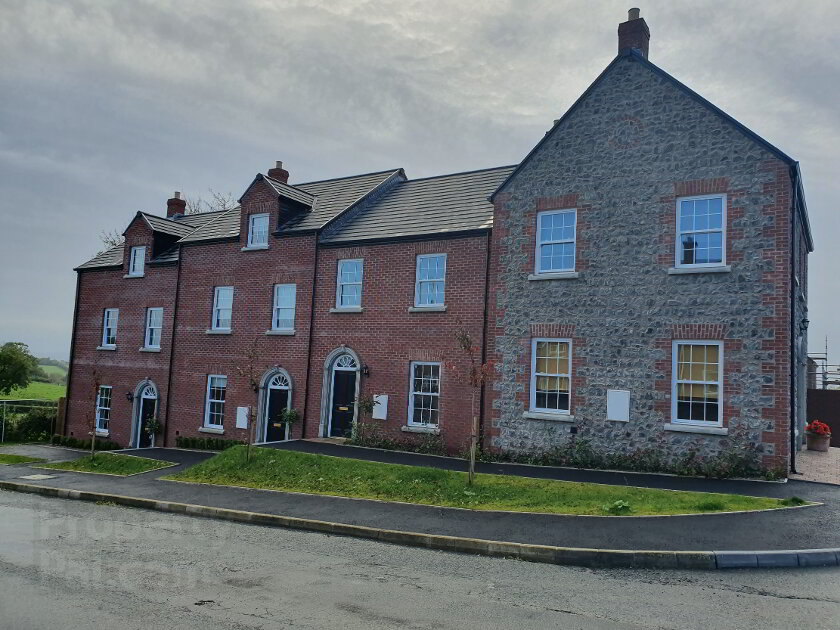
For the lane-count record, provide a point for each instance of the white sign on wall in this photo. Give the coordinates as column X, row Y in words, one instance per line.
column 242, row 417
column 380, row 409
column 618, row 405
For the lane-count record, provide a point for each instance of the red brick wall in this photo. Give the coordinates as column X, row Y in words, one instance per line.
column 253, row 275
column 125, row 367
column 387, row 337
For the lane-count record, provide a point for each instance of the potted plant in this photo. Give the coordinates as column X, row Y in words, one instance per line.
column 817, row 436
column 151, row 426
column 290, row 416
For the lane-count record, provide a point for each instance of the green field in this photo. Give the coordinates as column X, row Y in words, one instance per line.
column 319, row 474
column 38, row 391
column 111, row 464
column 53, row 370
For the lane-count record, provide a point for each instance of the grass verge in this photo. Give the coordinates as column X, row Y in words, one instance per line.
column 36, row 391
column 9, row 459
column 110, row 464
column 320, row 474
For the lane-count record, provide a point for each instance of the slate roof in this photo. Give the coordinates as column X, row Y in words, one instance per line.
column 112, row 257
column 433, row 205
column 167, row 226
column 222, row 225
column 291, row 192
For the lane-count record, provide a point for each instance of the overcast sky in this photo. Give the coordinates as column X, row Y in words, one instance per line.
column 106, row 108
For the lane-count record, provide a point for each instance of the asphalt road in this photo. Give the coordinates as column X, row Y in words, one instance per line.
column 69, row 564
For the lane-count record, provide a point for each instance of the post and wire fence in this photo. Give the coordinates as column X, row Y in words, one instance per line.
column 28, row 420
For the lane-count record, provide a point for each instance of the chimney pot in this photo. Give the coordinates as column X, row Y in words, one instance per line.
column 634, row 34
column 279, row 173
column 175, row 206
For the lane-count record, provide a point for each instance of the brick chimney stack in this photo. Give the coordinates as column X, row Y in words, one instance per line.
column 634, row 34
column 175, row 206
column 279, row 173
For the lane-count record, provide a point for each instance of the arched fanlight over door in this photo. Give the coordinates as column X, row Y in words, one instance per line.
column 280, row 381
column 346, row 362
column 149, row 392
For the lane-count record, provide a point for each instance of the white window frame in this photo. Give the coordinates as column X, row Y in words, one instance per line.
column 137, row 264
column 340, row 284
column 106, row 327
column 418, row 282
column 675, row 382
column 217, row 308
column 534, row 374
column 208, row 400
column 412, row 393
column 251, row 221
column 276, row 307
column 149, row 328
column 678, row 249
column 100, row 408
column 539, row 243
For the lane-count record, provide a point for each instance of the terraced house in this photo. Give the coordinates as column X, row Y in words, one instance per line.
column 639, row 281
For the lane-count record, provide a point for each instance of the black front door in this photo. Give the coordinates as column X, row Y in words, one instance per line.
column 275, row 428
column 343, row 403
column 147, row 410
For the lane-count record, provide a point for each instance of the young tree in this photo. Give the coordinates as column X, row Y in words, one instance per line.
column 17, row 366
column 96, row 380
column 475, row 375
column 247, row 368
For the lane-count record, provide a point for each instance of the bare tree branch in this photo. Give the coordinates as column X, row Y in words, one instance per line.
column 110, row 239
column 218, row 201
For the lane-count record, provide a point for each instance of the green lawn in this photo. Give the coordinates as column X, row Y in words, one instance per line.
column 111, row 464
column 8, row 459
column 40, row 391
column 320, row 474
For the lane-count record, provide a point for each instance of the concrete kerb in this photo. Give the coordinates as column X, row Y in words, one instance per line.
column 593, row 558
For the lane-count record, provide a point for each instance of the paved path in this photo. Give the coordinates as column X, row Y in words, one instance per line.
column 77, row 566
column 41, row 451
column 813, row 527
column 820, row 467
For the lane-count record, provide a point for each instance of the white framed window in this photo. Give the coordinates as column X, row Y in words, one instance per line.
column 109, row 327
column 556, row 233
column 697, row 374
column 258, row 230
column 430, row 282
column 154, row 326
column 424, row 394
column 701, row 231
column 222, row 308
column 137, row 261
column 349, row 290
column 283, row 312
column 551, row 375
column 103, row 407
column 214, row 408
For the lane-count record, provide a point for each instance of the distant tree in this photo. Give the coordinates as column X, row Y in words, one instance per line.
column 218, row 201
column 110, row 240
column 16, row 366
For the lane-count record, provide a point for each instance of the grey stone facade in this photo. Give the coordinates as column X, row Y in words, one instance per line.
column 623, row 155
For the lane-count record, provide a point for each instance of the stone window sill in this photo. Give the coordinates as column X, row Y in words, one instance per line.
column 694, row 428
column 554, row 275
column 210, row 331
column 552, row 417
column 101, row 433
column 213, row 430
column 409, row 428
column 109, row 348
column 347, row 309
column 149, row 349
column 134, row 275
column 678, row 271
column 253, row 248
column 436, row 308
column 281, row 333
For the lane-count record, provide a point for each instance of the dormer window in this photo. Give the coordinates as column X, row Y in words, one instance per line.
column 137, row 261
column 258, row 230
